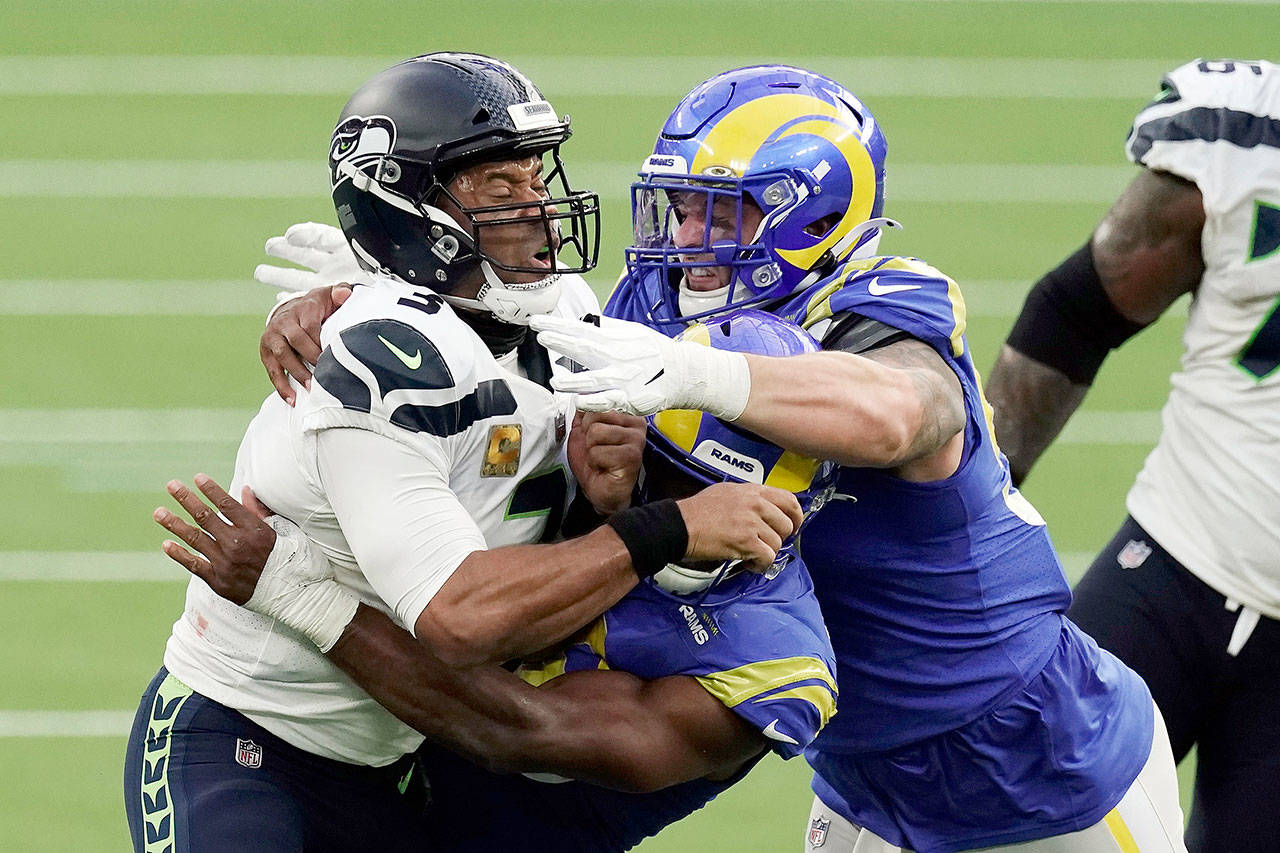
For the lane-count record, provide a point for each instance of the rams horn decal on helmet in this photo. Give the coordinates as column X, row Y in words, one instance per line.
column 797, row 146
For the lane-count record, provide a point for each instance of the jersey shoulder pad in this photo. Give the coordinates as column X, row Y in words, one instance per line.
column 905, row 293
column 402, row 360
column 768, row 658
column 618, row 293
column 641, row 299
column 788, row 699
column 1203, row 105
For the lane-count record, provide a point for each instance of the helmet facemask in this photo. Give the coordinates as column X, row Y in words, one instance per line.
column 412, row 128
column 464, row 239
column 799, row 147
column 569, row 222
column 728, row 241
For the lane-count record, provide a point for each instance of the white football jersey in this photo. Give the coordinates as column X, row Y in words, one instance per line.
column 1210, row 490
column 400, row 365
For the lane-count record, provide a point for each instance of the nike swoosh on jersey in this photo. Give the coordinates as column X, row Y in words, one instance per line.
column 413, row 362
column 876, row 289
column 771, row 731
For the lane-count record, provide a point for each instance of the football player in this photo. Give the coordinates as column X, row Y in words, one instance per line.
column 427, row 458
column 983, row 716
column 1188, row 591
column 664, row 701
column 975, row 715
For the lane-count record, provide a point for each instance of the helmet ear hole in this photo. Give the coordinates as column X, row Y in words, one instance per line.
column 822, row 227
column 481, row 116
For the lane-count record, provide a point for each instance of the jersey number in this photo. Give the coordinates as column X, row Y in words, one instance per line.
column 1227, row 66
column 1261, row 356
column 541, row 494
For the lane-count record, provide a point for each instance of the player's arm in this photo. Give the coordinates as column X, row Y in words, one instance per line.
column 899, row 407
column 470, row 604
column 1143, row 255
column 601, row 726
column 291, row 340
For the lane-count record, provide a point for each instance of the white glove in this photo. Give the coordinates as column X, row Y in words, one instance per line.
column 297, row 587
column 632, row 368
column 322, row 249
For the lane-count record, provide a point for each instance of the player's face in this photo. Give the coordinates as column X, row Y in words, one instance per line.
column 691, row 212
column 525, row 241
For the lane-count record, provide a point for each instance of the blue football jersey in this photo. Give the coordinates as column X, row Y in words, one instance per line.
column 756, row 644
column 945, row 603
column 941, row 619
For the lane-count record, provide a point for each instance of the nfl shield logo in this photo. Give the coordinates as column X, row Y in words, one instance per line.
column 818, row 832
column 248, row 754
column 1133, row 554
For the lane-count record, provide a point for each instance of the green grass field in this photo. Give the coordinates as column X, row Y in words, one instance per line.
column 147, row 149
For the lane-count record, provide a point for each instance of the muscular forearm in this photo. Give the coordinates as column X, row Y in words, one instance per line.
column 852, row 409
column 1032, row 402
column 484, row 713
column 608, row 728
column 1143, row 255
column 526, row 597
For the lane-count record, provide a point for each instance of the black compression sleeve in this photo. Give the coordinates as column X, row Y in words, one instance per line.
column 1069, row 323
column 858, row 334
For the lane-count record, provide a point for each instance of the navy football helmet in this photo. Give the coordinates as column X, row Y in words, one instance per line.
column 798, row 147
column 407, row 132
column 686, row 451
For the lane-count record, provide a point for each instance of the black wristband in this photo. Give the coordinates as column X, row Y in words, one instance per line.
column 654, row 535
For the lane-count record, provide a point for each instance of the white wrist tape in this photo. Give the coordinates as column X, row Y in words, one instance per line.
column 715, row 381
column 297, row 587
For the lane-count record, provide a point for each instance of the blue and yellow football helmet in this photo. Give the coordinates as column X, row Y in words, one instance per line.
column 686, row 451
column 799, row 147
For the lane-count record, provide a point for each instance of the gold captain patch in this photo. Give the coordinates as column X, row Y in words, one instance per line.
column 503, row 456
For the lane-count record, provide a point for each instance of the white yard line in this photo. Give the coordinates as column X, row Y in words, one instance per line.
column 29, row 724
column 155, row 567
column 121, row 297
column 566, row 76
column 286, row 179
column 984, row 298
column 1077, row 2
column 121, row 426
column 136, row 451
column 97, row 566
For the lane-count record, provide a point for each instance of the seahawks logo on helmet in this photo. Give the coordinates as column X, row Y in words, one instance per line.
column 360, row 142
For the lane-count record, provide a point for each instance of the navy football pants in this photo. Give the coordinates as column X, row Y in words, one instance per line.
column 1214, row 670
column 201, row 777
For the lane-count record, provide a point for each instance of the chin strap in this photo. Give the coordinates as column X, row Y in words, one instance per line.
column 696, row 301
column 693, row 302
column 511, row 302
column 682, row 580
